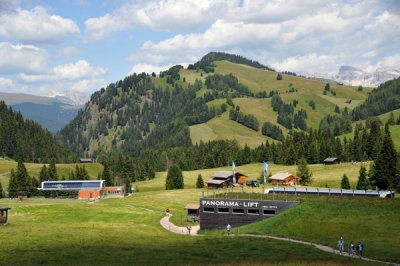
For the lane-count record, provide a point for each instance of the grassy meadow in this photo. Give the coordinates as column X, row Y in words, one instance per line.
column 323, row 175
column 262, row 80
column 127, row 231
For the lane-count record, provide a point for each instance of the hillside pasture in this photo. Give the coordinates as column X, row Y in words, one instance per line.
column 323, row 175
column 127, row 231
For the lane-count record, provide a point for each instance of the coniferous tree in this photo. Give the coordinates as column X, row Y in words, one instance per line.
column 345, row 184
column 174, row 178
column 279, row 76
column 52, row 171
column 107, row 175
column 209, row 161
column 200, row 181
column 363, row 182
column 22, row 177
column 385, row 173
column 304, row 172
column 44, row 175
column 2, row 194
column 13, row 185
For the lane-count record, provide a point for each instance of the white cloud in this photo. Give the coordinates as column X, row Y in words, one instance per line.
column 300, row 37
column 150, row 68
column 35, row 26
column 390, row 62
column 21, row 58
column 68, row 72
column 5, row 83
column 165, row 15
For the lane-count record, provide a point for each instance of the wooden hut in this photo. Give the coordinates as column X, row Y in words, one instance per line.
column 284, row 179
column 223, row 179
column 85, row 160
column 331, row 160
column 4, row 215
column 193, row 212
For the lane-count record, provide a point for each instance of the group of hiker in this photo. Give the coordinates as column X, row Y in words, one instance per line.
column 352, row 249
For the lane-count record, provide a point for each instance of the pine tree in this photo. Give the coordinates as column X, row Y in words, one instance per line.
column 22, row 177
column 43, row 176
column 107, row 175
column 385, row 173
column 279, row 76
column 345, row 184
column 13, row 185
column 174, row 178
column 52, row 171
column 200, row 181
column 363, row 182
column 2, row 194
column 304, row 172
column 209, row 161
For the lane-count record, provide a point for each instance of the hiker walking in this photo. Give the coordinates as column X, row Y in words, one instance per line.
column 360, row 249
column 340, row 245
column 188, row 228
column 228, row 228
column 351, row 249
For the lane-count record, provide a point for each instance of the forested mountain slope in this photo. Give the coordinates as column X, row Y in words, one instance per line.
column 27, row 141
column 184, row 106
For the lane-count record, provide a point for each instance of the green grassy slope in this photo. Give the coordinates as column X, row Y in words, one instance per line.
column 262, row 80
column 323, row 175
column 115, row 232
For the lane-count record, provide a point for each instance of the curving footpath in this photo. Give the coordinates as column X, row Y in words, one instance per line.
column 176, row 229
column 183, row 231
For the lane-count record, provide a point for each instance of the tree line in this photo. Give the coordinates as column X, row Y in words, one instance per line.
column 25, row 140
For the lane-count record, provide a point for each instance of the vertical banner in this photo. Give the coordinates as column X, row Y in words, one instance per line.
column 265, row 172
column 233, row 171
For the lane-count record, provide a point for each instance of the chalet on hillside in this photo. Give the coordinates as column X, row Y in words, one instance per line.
column 223, row 179
column 85, row 160
column 284, row 179
column 331, row 160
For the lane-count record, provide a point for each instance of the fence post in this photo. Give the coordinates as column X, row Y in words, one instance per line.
column 249, row 195
column 202, row 193
column 237, row 195
column 214, row 194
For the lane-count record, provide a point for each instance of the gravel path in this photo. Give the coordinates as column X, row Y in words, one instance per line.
column 321, row 247
column 176, row 229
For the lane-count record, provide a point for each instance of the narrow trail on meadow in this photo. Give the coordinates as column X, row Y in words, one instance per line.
column 183, row 231
column 176, row 229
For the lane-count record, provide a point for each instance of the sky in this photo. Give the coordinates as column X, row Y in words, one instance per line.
column 83, row 45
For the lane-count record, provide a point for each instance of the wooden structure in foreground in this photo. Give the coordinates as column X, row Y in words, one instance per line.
column 4, row 215
column 193, row 212
column 284, row 179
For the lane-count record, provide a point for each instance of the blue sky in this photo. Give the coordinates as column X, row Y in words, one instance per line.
column 85, row 44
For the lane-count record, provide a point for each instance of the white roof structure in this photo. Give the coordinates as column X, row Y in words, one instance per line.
column 282, row 176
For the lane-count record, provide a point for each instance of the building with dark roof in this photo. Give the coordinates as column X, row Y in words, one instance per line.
column 223, row 179
column 331, row 160
column 85, row 160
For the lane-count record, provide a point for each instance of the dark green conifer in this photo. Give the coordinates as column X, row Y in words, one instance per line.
column 304, row 172
column 200, row 181
column 385, row 173
column 107, row 175
column 13, row 185
column 363, row 182
column 2, row 194
column 174, row 178
column 345, row 184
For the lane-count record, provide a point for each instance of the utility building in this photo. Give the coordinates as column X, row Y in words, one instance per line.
column 87, row 189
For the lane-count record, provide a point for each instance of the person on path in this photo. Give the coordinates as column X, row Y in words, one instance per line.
column 340, row 245
column 189, row 228
column 351, row 249
column 360, row 249
column 228, row 228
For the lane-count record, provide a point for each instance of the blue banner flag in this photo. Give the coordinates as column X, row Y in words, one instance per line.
column 233, row 166
column 265, row 167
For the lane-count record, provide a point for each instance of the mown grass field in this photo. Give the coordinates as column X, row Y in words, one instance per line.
column 324, row 219
column 323, row 175
column 223, row 128
column 117, row 232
